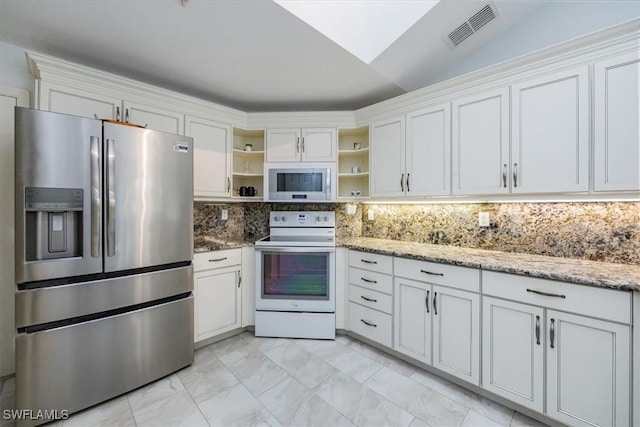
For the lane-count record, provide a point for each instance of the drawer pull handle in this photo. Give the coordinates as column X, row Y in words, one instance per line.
column 538, row 330
column 368, row 324
column 217, row 259
column 431, row 273
column 435, row 307
column 552, row 333
column 546, row 294
column 426, row 302
column 366, row 261
column 368, row 280
column 368, row 299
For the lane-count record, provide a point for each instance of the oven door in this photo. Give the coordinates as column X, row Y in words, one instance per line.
column 295, row 279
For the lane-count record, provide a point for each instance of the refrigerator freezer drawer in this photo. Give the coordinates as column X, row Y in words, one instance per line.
column 81, row 365
column 43, row 305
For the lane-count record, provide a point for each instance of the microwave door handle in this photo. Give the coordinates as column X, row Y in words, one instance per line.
column 96, row 196
column 111, row 211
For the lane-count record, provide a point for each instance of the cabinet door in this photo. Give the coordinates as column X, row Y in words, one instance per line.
column 617, row 132
column 588, row 370
column 480, row 142
column 154, row 118
column 550, row 133
column 428, row 157
column 211, row 157
column 387, row 158
column 513, row 351
column 412, row 319
column 319, row 145
column 456, row 333
column 217, row 301
column 283, row 145
column 66, row 100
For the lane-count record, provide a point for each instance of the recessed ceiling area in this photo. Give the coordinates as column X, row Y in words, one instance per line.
column 255, row 55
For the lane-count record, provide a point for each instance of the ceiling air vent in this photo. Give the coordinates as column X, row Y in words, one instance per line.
column 473, row 24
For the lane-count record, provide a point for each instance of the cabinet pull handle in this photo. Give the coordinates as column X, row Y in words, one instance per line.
column 426, row 302
column 297, row 145
column 368, row 280
column 303, row 144
column 228, row 184
column 552, row 333
column 504, row 175
column 126, row 115
column 538, row 330
column 368, row 323
column 546, row 294
column 368, row 299
column 402, row 182
column 408, row 189
column 239, row 277
column 431, row 273
column 366, row 261
column 217, row 259
column 515, row 174
column 117, row 114
column 435, row 307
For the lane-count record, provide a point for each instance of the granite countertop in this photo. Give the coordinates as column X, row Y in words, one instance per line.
column 594, row 273
column 208, row 244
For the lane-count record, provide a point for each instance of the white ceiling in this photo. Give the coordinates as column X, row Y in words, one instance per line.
column 252, row 55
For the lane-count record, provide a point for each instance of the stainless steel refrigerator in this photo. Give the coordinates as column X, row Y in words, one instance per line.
column 104, row 242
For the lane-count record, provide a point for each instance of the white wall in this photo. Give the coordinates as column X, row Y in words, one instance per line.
column 552, row 23
column 13, row 68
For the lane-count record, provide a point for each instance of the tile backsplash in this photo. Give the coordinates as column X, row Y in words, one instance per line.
column 601, row 231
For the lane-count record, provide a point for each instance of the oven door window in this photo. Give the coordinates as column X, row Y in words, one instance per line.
column 295, row 275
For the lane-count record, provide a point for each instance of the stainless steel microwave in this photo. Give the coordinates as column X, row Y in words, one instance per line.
column 304, row 182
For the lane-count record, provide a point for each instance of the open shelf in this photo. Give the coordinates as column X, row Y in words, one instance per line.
column 353, row 175
column 349, row 184
column 247, row 166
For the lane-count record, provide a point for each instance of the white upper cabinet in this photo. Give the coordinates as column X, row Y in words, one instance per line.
column 388, row 158
column 617, row 118
column 154, row 118
column 481, row 143
column 550, row 133
column 77, row 102
column 211, row 157
column 306, row 145
column 428, row 152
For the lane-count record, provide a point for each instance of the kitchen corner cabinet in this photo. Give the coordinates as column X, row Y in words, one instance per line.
column 353, row 163
column 437, row 316
column 248, row 166
column 301, row 145
column 616, row 123
column 211, row 157
column 388, row 157
column 550, row 133
column 217, row 291
column 583, row 332
column 66, row 100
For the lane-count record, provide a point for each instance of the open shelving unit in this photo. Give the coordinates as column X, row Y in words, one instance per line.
column 350, row 180
column 248, row 166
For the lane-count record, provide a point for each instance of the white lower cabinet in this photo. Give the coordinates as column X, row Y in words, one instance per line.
column 217, row 293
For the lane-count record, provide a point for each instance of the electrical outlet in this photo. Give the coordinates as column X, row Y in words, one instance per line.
column 483, row 219
column 351, row 209
column 370, row 214
column 225, row 214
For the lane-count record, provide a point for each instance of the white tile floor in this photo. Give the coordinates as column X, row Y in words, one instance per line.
column 246, row 380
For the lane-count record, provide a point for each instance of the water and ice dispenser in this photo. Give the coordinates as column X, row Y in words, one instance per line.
column 53, row 219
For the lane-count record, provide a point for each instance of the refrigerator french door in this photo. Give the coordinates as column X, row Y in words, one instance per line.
column 104, row 229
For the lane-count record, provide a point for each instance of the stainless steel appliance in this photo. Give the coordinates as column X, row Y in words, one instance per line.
column 295, row 276
column 104, row 241
column 304, row 182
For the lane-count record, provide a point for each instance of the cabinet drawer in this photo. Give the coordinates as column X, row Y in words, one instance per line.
column 369, row 298
column 379, row 324
column 587, row 300
column 367, row 279
column 464, row 278
column 216, row 259
column 371, row 262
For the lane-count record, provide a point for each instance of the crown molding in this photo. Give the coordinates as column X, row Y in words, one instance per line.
column 341, row 119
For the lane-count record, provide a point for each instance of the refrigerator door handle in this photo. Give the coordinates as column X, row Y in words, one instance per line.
column 111, row 184
column 96, row 198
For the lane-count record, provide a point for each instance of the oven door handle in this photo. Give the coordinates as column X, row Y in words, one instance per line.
column 295, row 249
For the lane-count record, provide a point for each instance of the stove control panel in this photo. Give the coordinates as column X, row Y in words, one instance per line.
column 302, row 219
